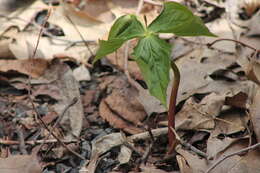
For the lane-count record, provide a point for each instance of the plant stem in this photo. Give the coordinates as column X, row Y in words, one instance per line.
column 172, row 108
column 239, row 42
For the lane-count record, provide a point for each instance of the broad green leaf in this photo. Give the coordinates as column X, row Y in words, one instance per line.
column 152, row 55
column 107, row 47
column 125, row 28
column 178, row 19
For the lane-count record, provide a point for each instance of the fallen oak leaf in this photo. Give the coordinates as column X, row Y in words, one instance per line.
column 121, row 107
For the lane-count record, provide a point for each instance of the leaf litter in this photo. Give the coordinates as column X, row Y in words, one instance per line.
column 218, row 96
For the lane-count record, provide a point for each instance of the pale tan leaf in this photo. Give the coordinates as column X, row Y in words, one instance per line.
column 20, row 163
column 255, row 113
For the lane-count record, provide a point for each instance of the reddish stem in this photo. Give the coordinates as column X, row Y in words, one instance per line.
column 172, row 108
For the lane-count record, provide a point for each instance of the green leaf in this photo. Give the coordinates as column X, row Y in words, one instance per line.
column 178, row 19
column 125, row 28
column 152, row 55
column 107, row 47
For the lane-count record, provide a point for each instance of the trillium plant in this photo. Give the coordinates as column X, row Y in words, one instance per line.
column 152, row 53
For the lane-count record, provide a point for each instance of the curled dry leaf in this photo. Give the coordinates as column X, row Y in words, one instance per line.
column 239, row 100
column 121, row 107
column 31, row 67
column 100, row 146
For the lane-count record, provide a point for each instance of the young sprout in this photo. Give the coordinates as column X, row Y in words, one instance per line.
column 152, row 54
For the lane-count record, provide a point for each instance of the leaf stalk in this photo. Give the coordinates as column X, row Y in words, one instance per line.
column 172, row 108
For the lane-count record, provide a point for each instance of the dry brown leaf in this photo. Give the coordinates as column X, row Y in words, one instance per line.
column 216, row 146
column 20, row 163
column 121, row 107
column 60, row 79
column 5, row 52
column 255, row 113
column 98, row 10
column 230, row 121
column 183, row 165
column 105, row 143
column 89, row 29
column 148, row 168
column 117, row 59
column 245, row 163
column 100, row 146
column 24, row 43
column 125, row 155
column 195, row 163
column 202, row 114
column 195, row 69
column 254, row 24
column 21, row 16
column 239, row 100
column 81, row 73
column 32, row 67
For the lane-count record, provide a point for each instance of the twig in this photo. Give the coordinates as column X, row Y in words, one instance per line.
column 21, row 141
column 58, row 139
column 128, row 144
column 138, row 10
column 204, row 44
column 153, row 2
column 189, row 146
column 239, row 42
column 74, row 101
column 31, row 101
column 149, row 148
column 46, row 32
column 232, row 154
column 131, row 147
column 147, row 153
column 34, row 142
column 32, row 57
column 155, row 132
column 81, row 36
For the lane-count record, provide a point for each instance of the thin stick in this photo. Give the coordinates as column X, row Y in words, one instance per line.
column 74, row 101
column 239, row 42
column 31, row 101
column 189, row 146
column 58, row 139
column 155, row 132
column 172, row 107
column 34, row 53
column 138, row 10
column 21, row 139
column 34, row 142
column 81, row 36
column 232, row 154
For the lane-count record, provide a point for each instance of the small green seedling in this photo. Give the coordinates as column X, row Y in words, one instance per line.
column 152, row 54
